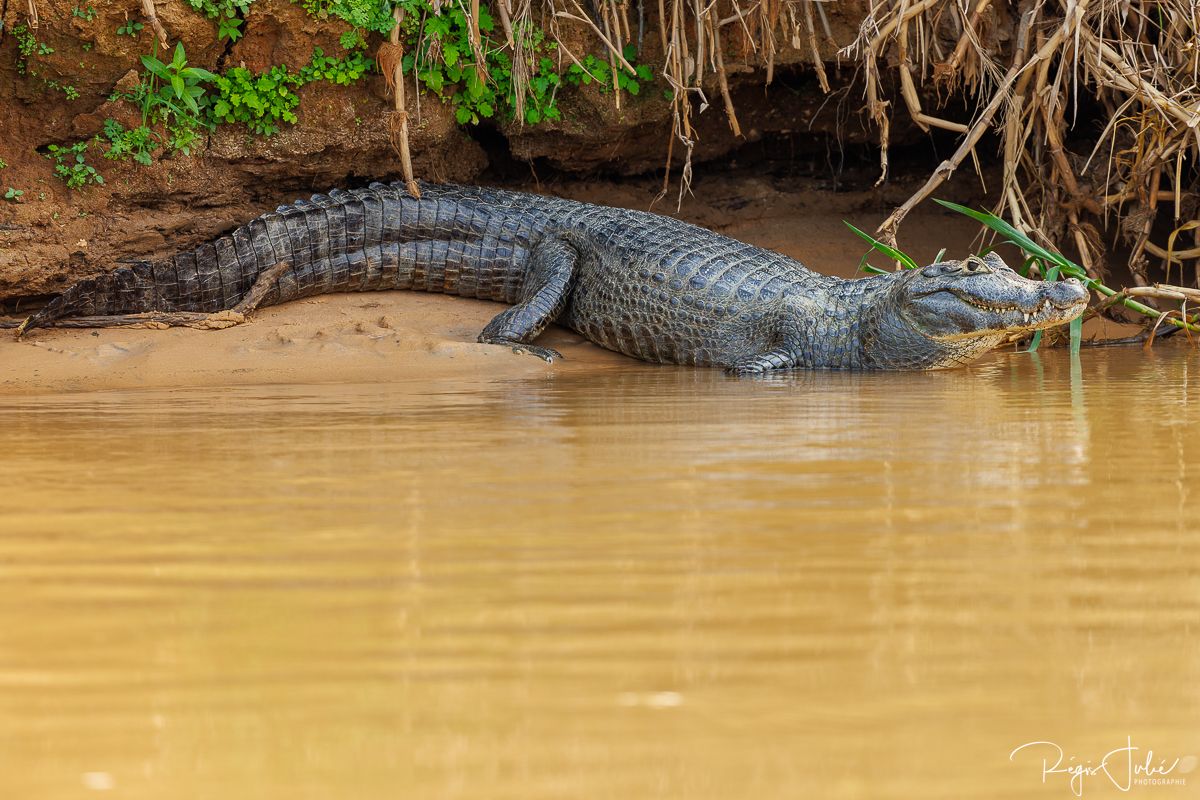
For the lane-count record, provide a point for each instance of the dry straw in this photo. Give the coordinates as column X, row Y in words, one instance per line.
column 1135, row 61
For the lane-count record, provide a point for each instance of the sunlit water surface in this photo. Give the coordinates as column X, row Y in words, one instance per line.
column 638, row 584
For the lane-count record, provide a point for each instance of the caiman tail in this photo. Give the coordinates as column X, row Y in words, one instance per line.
column 125, row 290
column 456, row 240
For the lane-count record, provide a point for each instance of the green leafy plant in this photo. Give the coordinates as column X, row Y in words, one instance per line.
column 591, row 69
column 443, row 58
column 131, row 28
column 221, row 8
column 28, row 45
column 440, row 52
column 170, row 94
column 3, row 164
column 137, row 143
column 180, row 83
column 85, row 12
column 229, row 15
column 12, row 194
column 541, row 93
column 341, row 71
column 230, row 28
column 260, row 102
column 70, row 91
column 70, row 164
column 265, row 101
column 370, row 15
column 890, row 252
column 352, row 40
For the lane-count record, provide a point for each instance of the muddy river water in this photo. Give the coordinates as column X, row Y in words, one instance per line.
column 636, row 583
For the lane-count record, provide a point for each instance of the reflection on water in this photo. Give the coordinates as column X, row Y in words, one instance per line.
column 653, row 583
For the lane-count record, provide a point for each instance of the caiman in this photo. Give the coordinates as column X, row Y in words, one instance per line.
column 639, row 283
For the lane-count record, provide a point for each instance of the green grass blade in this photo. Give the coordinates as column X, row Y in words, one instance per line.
column 1076, row 335
column 1002, row 227
column 890, row 252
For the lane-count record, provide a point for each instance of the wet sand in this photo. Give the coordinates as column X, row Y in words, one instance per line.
column 345, row 338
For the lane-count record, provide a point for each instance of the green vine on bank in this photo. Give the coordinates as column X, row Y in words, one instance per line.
column 70, row 164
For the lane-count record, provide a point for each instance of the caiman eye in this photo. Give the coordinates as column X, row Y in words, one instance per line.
column 975, row 265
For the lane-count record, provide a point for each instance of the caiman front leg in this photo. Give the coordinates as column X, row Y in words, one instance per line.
column 780, row 358
column 544, row 295
column 784, row 353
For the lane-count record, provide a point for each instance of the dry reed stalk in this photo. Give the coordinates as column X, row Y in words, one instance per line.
column 390, row 57
column 582, row 16
column 887, row 230
column 1140, row 59
column 476, row 39
column 609, row 19
column 502, row 7
column 723, row 79
column 151, row 17
column 947, row 72
column 818, row 64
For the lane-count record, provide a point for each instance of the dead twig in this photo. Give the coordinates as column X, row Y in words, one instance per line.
column 390, row 57
column 152, row 18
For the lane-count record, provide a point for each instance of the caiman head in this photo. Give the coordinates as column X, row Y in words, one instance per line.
column 952, row 312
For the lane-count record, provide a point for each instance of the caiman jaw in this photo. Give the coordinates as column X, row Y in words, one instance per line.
column 1041, row 308
column 1045, row 313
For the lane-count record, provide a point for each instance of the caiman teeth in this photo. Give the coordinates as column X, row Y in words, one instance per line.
column 1028, row 316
